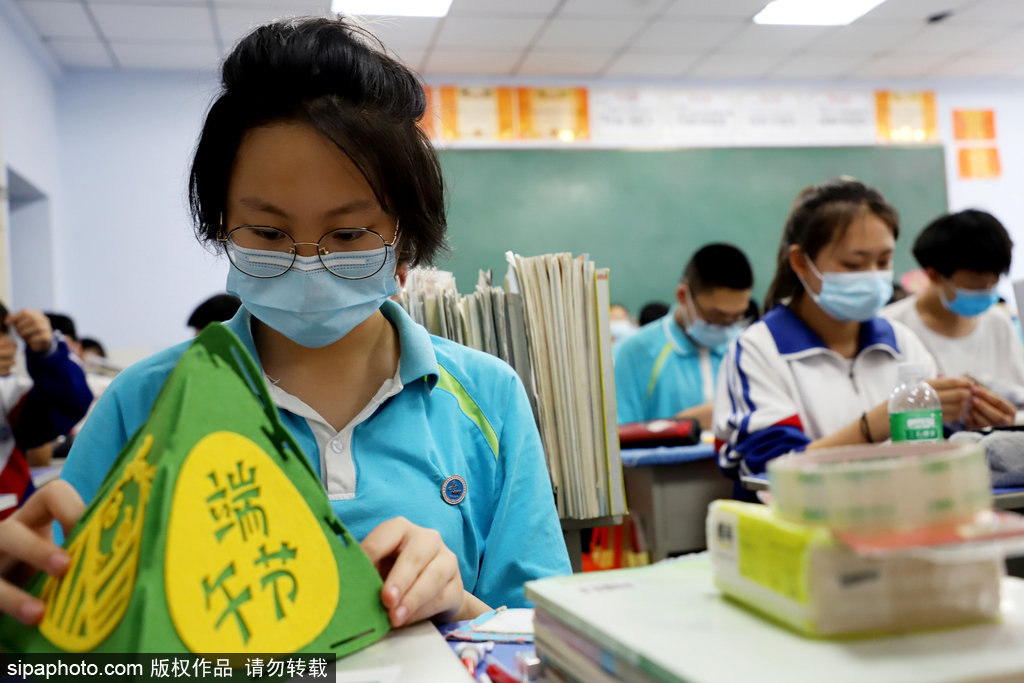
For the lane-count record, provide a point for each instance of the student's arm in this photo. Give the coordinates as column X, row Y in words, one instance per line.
column 701, row 413
column 60, row 396
column 756, row 417
column 525, row 540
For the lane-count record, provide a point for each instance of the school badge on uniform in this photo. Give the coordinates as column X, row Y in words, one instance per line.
column 211, row 533
column 453, row 490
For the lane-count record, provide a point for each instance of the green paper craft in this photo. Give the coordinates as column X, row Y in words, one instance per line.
column 210, row 534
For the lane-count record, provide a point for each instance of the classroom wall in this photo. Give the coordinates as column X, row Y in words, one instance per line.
column 135, row 270
column 125, row 142
column 28, row 130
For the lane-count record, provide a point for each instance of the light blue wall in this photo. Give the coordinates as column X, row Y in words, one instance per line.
column 29, row 144
column 134, row 270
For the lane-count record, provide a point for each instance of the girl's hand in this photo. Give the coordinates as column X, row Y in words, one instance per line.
column 34, row 327
column 27, row 537
column 421, row 575
column 989, row 409
column 955, row 394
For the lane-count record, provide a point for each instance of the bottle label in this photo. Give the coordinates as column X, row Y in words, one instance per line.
column 916, row 425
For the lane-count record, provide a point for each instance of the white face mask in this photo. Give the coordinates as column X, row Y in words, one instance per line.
column 621, row 329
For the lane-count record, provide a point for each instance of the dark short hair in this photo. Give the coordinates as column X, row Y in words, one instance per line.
column 655, row 310
column 215, row 309
column 89, row 344
column 336, row 78
column 820, row 214
column 968, row 240
column 718, row 265
column 65, row 324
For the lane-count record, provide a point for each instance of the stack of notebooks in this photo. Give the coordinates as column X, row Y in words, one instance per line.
column 550, row 323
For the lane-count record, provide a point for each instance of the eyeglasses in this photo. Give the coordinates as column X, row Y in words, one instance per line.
column 265, row 252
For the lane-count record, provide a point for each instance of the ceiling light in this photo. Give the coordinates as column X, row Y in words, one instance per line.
column 815, row 12
column 393, row 8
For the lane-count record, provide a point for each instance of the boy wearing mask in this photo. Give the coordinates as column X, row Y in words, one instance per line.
column 670, row 367
column 964, row 255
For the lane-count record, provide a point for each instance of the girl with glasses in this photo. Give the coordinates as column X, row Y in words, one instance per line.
column 312, row 174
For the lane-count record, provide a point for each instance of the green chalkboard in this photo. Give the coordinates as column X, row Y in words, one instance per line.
column 644, row 213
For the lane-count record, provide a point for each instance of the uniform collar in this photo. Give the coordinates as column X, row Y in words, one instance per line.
column 793, row 337
column 417, row 360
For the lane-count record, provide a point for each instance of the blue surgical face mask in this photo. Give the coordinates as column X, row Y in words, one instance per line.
column 310, row 305
column 855, row 296
column 970, row 302
column 708, row 334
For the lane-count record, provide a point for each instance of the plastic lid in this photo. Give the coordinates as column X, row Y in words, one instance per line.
column 912, row 371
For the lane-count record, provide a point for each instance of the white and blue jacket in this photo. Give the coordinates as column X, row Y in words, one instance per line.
column 782, row 388
column 449, row 410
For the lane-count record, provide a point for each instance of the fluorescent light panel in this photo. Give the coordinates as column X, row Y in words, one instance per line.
column 393, row 8
column 815, row 12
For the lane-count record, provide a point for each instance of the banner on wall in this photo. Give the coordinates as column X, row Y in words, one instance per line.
column 673, row 117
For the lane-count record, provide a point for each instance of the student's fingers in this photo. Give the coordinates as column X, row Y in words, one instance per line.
column 947, row 383
column 18, row 542
column 385, row 539
column 446, row 603
column 420, row 549
column 57, row 500
column 987, row 415
column 996, row 401
column 20, row 605
column 428, row 594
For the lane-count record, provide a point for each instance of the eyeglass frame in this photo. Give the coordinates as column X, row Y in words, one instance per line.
column 320, row 250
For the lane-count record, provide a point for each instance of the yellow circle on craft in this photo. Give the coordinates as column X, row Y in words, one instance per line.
column 247, row 567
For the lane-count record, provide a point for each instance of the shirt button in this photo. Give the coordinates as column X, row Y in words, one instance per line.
column 337, row 446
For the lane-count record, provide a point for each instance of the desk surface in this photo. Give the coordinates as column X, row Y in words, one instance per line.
column 669, row 620
column 413, row 654
column 666, row 455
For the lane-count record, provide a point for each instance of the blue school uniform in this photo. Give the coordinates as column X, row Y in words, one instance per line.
column 659, row 371
column 449, row 412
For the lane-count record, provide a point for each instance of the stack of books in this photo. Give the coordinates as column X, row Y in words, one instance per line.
column 550, row 323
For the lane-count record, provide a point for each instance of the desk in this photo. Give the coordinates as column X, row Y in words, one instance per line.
column 670, row 621
column 668, row 490
column 412, row 654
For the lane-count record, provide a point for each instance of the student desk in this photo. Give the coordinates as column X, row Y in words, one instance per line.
column 671, row 618
column 668, row 490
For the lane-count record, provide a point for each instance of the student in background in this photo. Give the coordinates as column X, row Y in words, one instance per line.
column 34, row 410
column 218, row 308
column 818, row 369
column 621, row 323
column 669, row 367
column 964, row 255
column 91, row 349
column 653, row 311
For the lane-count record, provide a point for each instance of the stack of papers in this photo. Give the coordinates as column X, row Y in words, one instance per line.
column 550, row 323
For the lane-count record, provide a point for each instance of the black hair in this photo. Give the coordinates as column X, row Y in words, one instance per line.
column 969, row 240
column 655, row 310
column 718, row 265
column 89, row 344
column 3, row 319
column 215, row 309
column 335, row 77
column 820, row 214
column 65, row 324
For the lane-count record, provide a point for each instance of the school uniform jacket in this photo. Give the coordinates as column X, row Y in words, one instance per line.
column 782, row 388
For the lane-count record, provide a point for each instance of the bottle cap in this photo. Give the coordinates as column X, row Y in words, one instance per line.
column 912, row 371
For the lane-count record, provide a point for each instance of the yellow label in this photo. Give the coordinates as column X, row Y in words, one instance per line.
column 84, row 606
column 773, row 556
column 247, row 566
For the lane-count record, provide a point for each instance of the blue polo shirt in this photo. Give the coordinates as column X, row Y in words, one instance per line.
column 657, row 376
column 449, row 411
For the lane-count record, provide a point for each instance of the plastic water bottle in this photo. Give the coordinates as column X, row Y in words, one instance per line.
column 915, row 411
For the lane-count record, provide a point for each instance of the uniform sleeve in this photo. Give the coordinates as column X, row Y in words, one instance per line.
column 58, row 400
column 630, row 389
column 755, row 418
column 525, row 539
